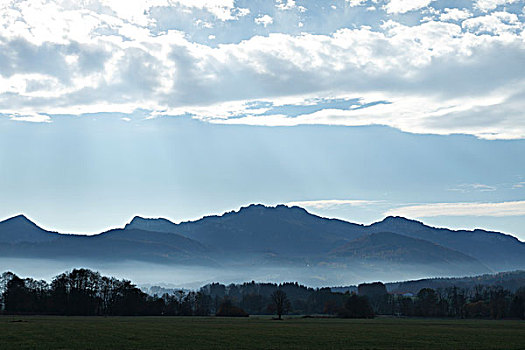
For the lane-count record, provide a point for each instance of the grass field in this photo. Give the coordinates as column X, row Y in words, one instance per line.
column 41, row 332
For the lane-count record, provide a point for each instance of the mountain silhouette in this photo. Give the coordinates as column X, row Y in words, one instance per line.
column 388, row 247
column 497, row 250
column 295, row 232
column 280, row 236
column 20, row 237
column 257, row 228
column 20, row 229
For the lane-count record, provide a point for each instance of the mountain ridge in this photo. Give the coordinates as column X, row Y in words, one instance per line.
column 20, row 228
column 279, row 236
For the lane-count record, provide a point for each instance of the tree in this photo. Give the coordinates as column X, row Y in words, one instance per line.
column 280, row 302
column 252, row 303
column 456, row 301
column 202, row 304
column 427, row 302
column 229, row 310
column 17, row 296
column 76, row 292
column 377, row 296
column 4, row 280
column 356, row 306
column 518, row 304
column 498, row 302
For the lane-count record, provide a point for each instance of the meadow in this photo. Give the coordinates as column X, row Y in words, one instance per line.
column 60, row 332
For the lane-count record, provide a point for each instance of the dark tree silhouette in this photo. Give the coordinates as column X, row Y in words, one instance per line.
column 85, row 292
column 377, row 296
column 427, row 302
column 17, row 297
column 517, row 308
column 227, row 309
column 281, row 303
column 356, row 306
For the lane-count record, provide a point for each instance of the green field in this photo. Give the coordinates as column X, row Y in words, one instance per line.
column 42, row 332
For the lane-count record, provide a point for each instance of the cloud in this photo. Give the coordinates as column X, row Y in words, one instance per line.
column 333, row 203
column 497, row 23
column 136, row 11
column 486, row 5
column 32, row 118
column 454, row 14
column 403, row 6
column 473, row 187
column 285, row 4
column 513, row 208
column 265, row 20
column 419, row 114
column 435, row 77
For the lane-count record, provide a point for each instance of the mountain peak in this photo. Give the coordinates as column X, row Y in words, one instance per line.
column 20, row 229
column 19, row 219
column 397, row 221
column 137, row 218
column 278, row 208
column 153, row 224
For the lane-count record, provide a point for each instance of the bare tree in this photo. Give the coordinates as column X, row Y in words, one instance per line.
column 281, row 303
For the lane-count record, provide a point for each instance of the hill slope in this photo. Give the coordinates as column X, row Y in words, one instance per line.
column 497, row 250
column 392, row 248
column 294, row 232
column 281, row 237
column 21, row 238
column 20, row 229
column 257, row 229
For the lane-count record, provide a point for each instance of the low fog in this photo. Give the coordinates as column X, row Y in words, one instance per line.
column 193, row 277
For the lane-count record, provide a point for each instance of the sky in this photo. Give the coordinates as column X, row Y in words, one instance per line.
column 355, row 109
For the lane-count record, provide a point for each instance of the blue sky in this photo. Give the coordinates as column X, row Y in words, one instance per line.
column 351, row 109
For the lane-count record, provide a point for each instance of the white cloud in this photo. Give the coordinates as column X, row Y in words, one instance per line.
column 496, row 23
column 265, row 20
column 332, row 203
column 473, row 187
column 32, row 118
column 411, row 114
column 222, row 9
column 454, row 14
column 514, row 208
column 435, row 77
column 486, row 5
column 403, row 6
column 285, row 4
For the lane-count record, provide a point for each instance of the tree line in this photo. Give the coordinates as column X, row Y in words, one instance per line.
column 85, row 292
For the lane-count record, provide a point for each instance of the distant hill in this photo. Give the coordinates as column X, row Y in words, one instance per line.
column 511, row 280
column 280, row 237
column 20, row 229
column 497, row 250
column 387, row 247
column 508, row 280
column 21, row 238
column 295, row 232
column 257, row 228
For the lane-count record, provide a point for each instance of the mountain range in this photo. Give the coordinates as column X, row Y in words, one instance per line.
column 280, row 236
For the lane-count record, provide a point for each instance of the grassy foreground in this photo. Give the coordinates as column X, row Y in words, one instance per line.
column 42, row 332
